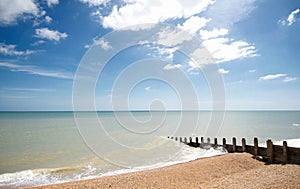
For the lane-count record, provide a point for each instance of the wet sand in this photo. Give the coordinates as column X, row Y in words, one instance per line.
column 236, row 170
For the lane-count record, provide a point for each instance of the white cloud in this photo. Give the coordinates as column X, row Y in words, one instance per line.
column 170, row 37
column 272, row 76
column 148, row 11
column 11, row 10
column 33, row 70
column 104, row 44
column 193, row 24
column 193, row 65
column 225, row 49
column 222, row 71
column 199, row 58
column 252, row 71
column 45, row 33
column 289, row 79
column 48, row 19
column 205, row 34
column 38, row 42
column 162, row 52
column 50, row 3
column 11, row 50
column 94, row 2
column 172, row 66
column 147, row 88
column 290, row 19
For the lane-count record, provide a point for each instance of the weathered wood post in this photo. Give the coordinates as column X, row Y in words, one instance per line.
column 180, row 139
column 270, row 151
column 202, row 140
column 224, row 143
column 171, row 137
column 185, row 140
column 285, row 152
column 176, row 138
column 208, row 140
column 233, row 144
column 216, row 142
column 168, row 137
column 197, row 142
column 244, row 145
column 255, row 146
column 191, row 140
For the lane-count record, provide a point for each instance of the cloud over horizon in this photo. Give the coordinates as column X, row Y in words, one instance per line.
column 10, row 50
column 33, row 70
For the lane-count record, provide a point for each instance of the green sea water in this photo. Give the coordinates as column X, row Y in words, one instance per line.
column 39, row 148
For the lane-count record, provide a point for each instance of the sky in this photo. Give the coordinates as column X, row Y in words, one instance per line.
column 49, row 47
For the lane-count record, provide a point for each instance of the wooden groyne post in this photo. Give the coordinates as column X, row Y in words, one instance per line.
column 285, row 152
column 271, row 153
column 255, row 150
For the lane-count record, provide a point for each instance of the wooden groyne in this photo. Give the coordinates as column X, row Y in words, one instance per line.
column 271, row 154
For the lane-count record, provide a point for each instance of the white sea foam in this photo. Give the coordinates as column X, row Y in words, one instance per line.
column 186, row 154
column 25, row 178
column 296, row 124
column 290, row 142
column 40, row 177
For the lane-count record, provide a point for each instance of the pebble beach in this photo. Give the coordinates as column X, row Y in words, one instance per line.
column 236, row 170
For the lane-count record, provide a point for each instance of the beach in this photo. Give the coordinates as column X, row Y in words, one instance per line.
column 234, row 170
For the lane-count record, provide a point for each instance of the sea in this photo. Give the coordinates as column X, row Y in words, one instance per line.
column 41, row 148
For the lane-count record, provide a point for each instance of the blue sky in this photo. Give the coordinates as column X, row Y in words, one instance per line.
column 253, row 44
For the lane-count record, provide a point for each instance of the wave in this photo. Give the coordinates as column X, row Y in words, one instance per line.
column 39, row 177
column 290, row 143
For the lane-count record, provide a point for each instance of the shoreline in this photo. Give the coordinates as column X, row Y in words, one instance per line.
column 233, row 170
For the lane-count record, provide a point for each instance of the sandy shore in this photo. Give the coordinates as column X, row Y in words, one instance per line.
column 236, row 170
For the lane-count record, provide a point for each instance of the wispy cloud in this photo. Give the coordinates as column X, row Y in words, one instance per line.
column 147, row 88
column 289, row 79
column 172, row 66
column 102, row 43
column 272, row 76
column 29, row 89
column 291, row 19
column 48, row 19
column 252, row 71
column 50, row 3
column 94, row 2
column 193, row 24
column 222, row 71
column 38, row 43
column 33, row 70
column 226, row 13
column 52, row 35
column 16, row 96
column 225, row 49
column 162, row 52
column 11, row 50
column 205, row 34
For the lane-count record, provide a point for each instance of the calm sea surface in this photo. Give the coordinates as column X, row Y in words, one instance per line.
column 38, row 148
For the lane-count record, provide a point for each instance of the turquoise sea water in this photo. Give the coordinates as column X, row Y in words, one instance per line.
column 39, row 148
